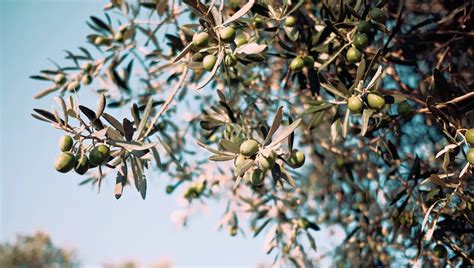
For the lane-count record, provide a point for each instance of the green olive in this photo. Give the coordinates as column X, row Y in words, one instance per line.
column 87, row 66
column 73, row 86
column 267, row 162
column 360, row 41
column 375, row 101
column 364, row 27
column 470, row 136
column 239, row 159
column 209, row 61
column 296, row 159
column 440, row 251
column 99, row 155
column 257, row 177
column 201, row 39
column 297, row 64
column 100, row 40
column 470, row 156
column 197, row 57
column 65, row 143
column 233, row 230
column 227, row 34
column 354, row 104
column 65, row 162
column 118, row 37
column 290, row 21
column 353, row 55
column 240, row 40
column 59, row 79
column 86, row 79
column 308, row 61
column 82, row 165
column 249, row 147
column 230, row 60
column 378, row 15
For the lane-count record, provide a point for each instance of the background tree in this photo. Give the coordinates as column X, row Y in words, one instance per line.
column 347, row 113
column 36, row 250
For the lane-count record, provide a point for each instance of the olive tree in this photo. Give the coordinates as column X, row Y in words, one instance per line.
column 36, row 250
column 298, row 114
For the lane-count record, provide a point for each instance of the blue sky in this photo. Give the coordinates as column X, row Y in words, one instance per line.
column 33, row 196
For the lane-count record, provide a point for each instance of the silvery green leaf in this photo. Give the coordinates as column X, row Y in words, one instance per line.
column 133, row 146
column 230, row 146
column 345, row 125
column 275, row 125
column 144, row 120
column 250, row 49
column 218, row 157
column 286, row 132
column 61, row 103
column 100, row 106
column 366, row 114
column 376, row 77
column 114, row 122
column 45, row 92
column 183, row 52
column 120, row 180
column 143, row 186
column 212, row 150
column 246, row 8
column 333, row 90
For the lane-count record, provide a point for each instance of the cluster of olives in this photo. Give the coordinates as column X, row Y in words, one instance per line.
column 118, row 37
column 375, row 101
column 470, row 140
column 249, row 150
column 227, row 35
column 73, row 86
column 67, row 161
column 360, row 40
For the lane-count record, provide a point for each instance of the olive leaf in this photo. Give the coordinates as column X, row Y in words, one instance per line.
column 121, row 179
column 114, row 122
column 144, row 120
column 183, row 53
column 61, row 102
column 250, row 49
column 230, row 146
column 132, row 145
column 213, row 150
column 366, row 114
column 246, row 8
column 286, row 132
column 275, row 125
column 333, row 90
column 46, row 91
column 100, row 106
column 219, row 157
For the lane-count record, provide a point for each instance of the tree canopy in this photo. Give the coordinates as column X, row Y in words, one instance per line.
column 298, row 114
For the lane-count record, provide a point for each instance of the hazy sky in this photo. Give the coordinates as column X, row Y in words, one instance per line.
column 34, row 196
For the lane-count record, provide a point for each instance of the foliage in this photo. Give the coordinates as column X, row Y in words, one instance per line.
column 391, row 170
column 35, row 250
